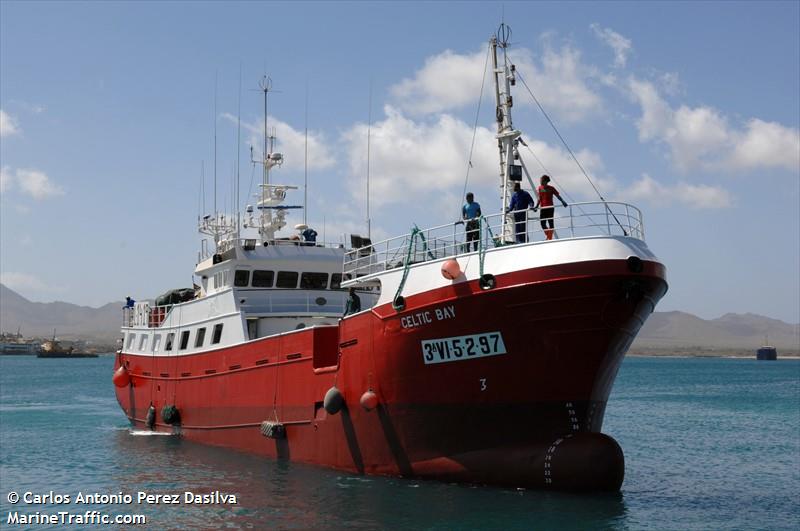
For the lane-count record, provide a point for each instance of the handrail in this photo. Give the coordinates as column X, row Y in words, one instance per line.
column 578, row 220
column 253, row 243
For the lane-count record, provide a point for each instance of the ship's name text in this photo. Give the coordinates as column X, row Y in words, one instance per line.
column 427, row 317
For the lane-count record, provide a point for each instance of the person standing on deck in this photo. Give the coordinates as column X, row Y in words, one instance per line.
column 520, row 202
column 545, row 194
column 470, row 212
column 353, row 304
column 309, row 235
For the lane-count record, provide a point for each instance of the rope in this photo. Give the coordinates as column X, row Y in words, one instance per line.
column 475, row 126
column 541, row 164
column 481, row 248
column 277, row 370
column 412, row 243
column 569, row 150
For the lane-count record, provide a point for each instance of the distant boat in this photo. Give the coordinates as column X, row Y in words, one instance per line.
column 767, row 353
column 16, row 345
column 53, row 349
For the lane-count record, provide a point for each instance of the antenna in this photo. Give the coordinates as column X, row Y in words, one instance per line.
column 203, row 185
column 238, row 152
column 216, row 78
column 369, row 131
column 305, row 165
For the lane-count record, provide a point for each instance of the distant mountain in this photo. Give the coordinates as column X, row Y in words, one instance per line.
column 735, row 331
column 69, row 320
column 670, row 330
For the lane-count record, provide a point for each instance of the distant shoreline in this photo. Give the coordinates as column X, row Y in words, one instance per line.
column 701, row 352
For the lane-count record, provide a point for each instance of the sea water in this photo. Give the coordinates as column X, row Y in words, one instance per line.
column 709, row 444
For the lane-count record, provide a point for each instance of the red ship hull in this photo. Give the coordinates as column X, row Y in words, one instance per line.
column 530, row 417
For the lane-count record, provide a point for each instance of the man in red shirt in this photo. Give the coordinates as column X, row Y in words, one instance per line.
column 545, row 194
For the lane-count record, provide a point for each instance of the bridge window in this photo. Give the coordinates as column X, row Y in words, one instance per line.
column 217, row 337
column 263, row 279
column 170, row 339
column 156, row 342
column 286, row 279
column 131, row 339
column 184, row 339
column 143, row 342
column 241, row 278
column 200, row 337
column 336, row 280
column 314, row 281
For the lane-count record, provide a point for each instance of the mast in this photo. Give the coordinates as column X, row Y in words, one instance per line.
column 369, row 132
column 305, row 164
column 266, row 214
column 506, row 134
column 238, row 154
column 271, row 196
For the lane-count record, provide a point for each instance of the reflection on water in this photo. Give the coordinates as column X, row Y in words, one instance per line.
column 291, row 495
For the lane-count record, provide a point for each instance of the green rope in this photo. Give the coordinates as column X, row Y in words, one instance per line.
column 412, row 243
column 481, row 249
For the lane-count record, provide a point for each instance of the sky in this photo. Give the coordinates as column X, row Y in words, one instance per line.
column 689, row 110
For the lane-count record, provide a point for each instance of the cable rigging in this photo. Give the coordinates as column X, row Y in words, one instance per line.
column 475, row 126
column 569, row 150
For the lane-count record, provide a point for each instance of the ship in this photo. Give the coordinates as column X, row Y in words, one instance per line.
column 460, row 358
column 16, row 345
column 54, row 349
column 767, row 352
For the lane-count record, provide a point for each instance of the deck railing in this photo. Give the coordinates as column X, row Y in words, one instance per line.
column 250, row 244
column 578, row 220
column 142, row 314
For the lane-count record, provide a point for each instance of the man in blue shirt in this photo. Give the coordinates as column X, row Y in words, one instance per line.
column 520, row 202
column 471, row 212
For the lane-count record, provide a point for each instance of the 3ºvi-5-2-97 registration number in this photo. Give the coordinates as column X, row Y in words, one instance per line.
column 461, row 348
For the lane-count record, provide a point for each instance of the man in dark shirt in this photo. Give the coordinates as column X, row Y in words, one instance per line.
column 353, row 304
column 309, row 235
column 520, row 202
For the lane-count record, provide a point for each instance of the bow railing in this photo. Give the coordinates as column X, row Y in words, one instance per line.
column 578, row 220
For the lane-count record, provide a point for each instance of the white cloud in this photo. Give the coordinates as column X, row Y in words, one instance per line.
column 410, row 158
column 696, row 196
column 671, row 83
column 32, row 182
column 767, row 144
column 704, row 196
column 621, row 45
column 451, row 81
column 697, row 136
column 447, row 81
column 565, row 173
column 8, row 125
column 290, row 142
column 702, row 137
column 656, row 113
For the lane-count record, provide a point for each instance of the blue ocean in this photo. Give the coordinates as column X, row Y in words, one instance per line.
column 709, row 444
